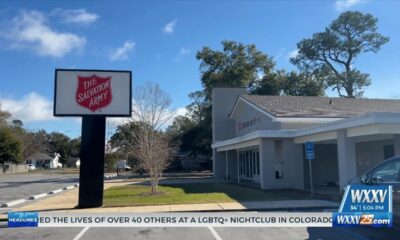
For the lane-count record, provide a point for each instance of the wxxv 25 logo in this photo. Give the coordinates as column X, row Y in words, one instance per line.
column 365, row 205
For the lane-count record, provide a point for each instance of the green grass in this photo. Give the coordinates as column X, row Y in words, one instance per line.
column 135, row 195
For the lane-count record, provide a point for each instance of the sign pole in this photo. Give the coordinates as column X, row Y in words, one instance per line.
column 91, row 176
column 311, row 179
column 310, row 155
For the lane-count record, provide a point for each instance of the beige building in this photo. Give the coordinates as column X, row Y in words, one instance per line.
column 260, row 140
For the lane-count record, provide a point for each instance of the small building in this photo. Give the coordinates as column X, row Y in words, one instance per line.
column 73, row 162
column 43, row 160
column 259, row 140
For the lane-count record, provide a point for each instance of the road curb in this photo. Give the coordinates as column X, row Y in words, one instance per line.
column 37, row 196
column 13, row 203
column 69, row 187
column 56, row 191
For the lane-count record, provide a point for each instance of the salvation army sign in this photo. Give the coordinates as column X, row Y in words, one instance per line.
column 92, row 92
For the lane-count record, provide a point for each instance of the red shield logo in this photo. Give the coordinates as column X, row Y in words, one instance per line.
column 93, row 92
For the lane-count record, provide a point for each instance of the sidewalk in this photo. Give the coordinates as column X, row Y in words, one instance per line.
column 67, row 201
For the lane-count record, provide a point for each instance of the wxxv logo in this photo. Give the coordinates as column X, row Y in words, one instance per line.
column 365, row 205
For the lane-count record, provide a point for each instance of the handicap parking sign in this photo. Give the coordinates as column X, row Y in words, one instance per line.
column 309, row 150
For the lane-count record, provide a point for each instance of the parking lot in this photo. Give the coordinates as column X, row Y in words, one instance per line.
column 198, row 233
column 25, row 184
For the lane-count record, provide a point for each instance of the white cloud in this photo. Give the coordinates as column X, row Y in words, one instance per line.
column 30, row 30
column 178, row 112
column 170, row 27
column 116, row 121
column 184, row 51
column 342, row 5
column 280, row 53
column 122, row 53
column 293, row 53
column 80, row 16
column 31, row 107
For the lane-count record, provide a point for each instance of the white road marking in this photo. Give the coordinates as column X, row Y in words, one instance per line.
column 81, row 233
column 214, row 233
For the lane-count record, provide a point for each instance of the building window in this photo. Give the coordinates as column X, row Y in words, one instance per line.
column 249, row 163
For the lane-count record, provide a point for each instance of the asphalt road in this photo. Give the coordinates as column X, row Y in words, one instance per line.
column 21, row 186
column 198, row 233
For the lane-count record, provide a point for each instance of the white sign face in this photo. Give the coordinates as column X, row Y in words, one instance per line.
column 97, row 92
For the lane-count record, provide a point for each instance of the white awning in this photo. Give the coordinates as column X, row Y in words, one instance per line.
column 364, row 125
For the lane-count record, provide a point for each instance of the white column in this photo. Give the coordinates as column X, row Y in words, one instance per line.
column 347, row 162
column 238, row 165
column 262, row 156
column 266, row 157
column 226, row 166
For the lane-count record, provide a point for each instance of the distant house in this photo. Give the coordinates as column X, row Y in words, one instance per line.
column 122, row 164
column 43, row 160
column 73, row 162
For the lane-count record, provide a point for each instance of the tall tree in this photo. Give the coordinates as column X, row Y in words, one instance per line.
column 75, row 147
column 300, row 84
column 270, row 84
column 237, row 65
column 4, row 115
column 330, row 55
column 30, row 141
column 10, row 147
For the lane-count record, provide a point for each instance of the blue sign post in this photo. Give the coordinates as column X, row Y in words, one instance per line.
column 310, row 156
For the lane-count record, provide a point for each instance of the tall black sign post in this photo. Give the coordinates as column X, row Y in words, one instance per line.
column 91, row 176
column 92, row 95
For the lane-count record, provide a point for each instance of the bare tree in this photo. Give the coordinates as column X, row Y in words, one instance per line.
column 152, row 106
column 154, row 154
column 151, row 112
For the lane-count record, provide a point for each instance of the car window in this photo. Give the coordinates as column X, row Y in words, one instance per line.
column 388, row 172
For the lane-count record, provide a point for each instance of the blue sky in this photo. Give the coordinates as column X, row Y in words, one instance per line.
column 158, row 41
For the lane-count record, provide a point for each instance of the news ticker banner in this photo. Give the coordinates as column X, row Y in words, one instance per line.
column 365, row 205
column 361, row 205
column 187, row 219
